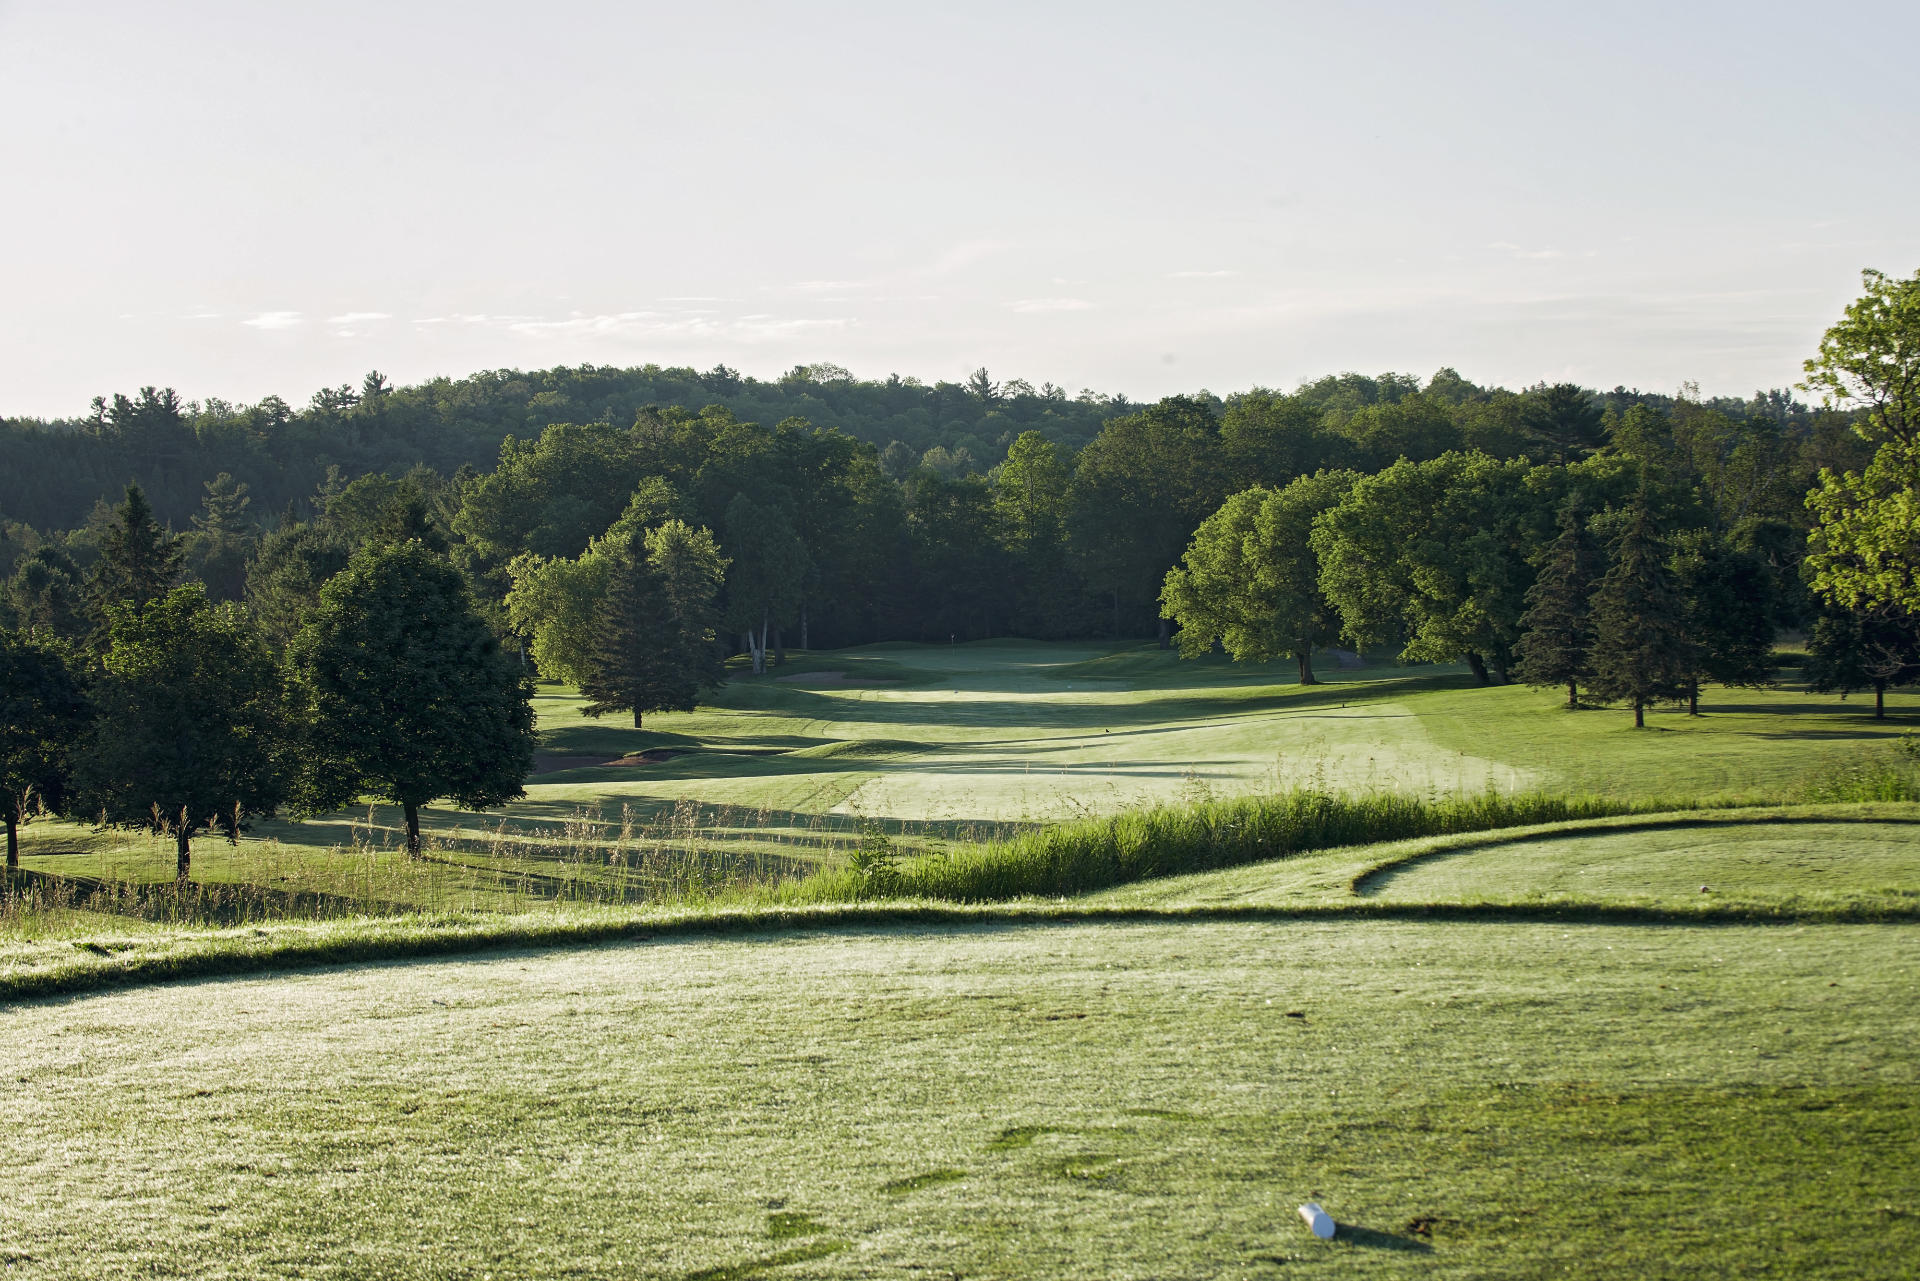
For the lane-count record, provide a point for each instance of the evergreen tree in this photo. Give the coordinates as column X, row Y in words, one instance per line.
column 655, row 648
column 223, row 536
column 42, row 714
column 409, row 695
column 630, row 667
column 191, row 731
column 1640, row 650
column 139, row 561
column 1557, row 647
column 1872, row 650
column 1728, row 606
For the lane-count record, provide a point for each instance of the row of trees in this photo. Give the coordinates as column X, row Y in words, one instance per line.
column 177, row 715
column 1053, row 541
column 1625, row 572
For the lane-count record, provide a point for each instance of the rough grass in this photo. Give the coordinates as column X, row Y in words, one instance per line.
column 1119, row 1099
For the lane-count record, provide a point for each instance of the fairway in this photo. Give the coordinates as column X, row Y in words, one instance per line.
column 1125, row 1100
column 1780, row 858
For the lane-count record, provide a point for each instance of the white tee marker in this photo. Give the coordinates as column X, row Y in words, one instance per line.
column 1317, row 1219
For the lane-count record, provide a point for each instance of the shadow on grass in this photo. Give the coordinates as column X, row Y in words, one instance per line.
column 1374, row 1239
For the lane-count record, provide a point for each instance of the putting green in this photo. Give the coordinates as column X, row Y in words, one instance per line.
column 1775, row 859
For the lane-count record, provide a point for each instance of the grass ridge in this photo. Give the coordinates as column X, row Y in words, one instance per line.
column 409, row 939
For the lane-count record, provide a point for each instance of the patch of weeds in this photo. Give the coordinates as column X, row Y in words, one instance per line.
column 754, row 1267
column 1021, row 1136
column 1422, row 1225
column 1089, row 1166
column 918, row 1182
column 875, row 862
column 791, row 1224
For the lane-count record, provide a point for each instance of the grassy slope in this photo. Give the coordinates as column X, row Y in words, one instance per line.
column 1118, row 1100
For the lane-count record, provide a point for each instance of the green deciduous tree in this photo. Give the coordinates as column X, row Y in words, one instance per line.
column 1640, row 648
column 1437, row 552
column 1557, row 646
column 1876, row 651
column 1865, row 553
column 191, row 729
column 769, row 567
column 44, row 594
column 43, row 712
column 1251, row 579
column 408, row 695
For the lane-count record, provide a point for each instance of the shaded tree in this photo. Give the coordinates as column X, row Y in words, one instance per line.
column 1556, row 648
column 191, row 731
column 654, row 645
column 1640, row 648
column 43, row 713
column 139, row 560
column 1877, row 651
column 409, row 696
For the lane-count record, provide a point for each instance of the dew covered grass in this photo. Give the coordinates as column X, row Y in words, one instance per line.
column 1117, row 1099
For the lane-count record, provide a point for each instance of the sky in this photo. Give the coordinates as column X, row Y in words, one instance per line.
column 237, row 199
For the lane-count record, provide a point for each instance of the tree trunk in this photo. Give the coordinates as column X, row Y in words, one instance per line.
column 803, row 627
column 183, row 853
column 412, row 812
column 1879, row 700
column 636, row 718
column 13, row 840
column 1306, row 668
column 1573, row 697
column 760, row 647
column 1639, row 713
column 1693, row 698
column 779, row 648
column 1116, row 613
column 1479, row 666
column 1166, row 633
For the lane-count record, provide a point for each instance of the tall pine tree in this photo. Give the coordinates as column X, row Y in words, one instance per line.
column 1728, row 601
column 655, row 647
column 1640, row 649
column 630, row 667
column 1557, row 647
column 139, row 560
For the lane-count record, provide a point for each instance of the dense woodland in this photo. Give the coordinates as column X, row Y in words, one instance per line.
column 307, row 574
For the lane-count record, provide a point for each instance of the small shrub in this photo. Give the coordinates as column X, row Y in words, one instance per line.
column 875, row 862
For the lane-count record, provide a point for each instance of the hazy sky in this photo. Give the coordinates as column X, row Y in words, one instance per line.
column 238, row 199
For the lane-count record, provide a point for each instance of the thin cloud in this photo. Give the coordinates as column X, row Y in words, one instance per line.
column 275, row 320
column 357, row 317
column 1199, row 275
column 1533, row 255
column 201, row 315
column 1029, row 306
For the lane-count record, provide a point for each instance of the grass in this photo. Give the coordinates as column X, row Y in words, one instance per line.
column 1435, row 957
column 1101, row 1099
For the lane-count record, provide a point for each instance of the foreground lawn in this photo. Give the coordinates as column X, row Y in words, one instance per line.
column 1093, row 1100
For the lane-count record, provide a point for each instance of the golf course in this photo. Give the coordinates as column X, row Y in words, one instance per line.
column 1666, row 1032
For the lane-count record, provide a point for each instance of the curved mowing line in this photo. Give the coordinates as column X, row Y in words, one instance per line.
column 1365, row 883
column 448, row 941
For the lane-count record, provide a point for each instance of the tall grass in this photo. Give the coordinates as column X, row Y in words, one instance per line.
column 1098, row 853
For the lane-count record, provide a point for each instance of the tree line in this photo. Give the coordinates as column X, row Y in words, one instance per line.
column 1624, row 563
column 378, row 635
